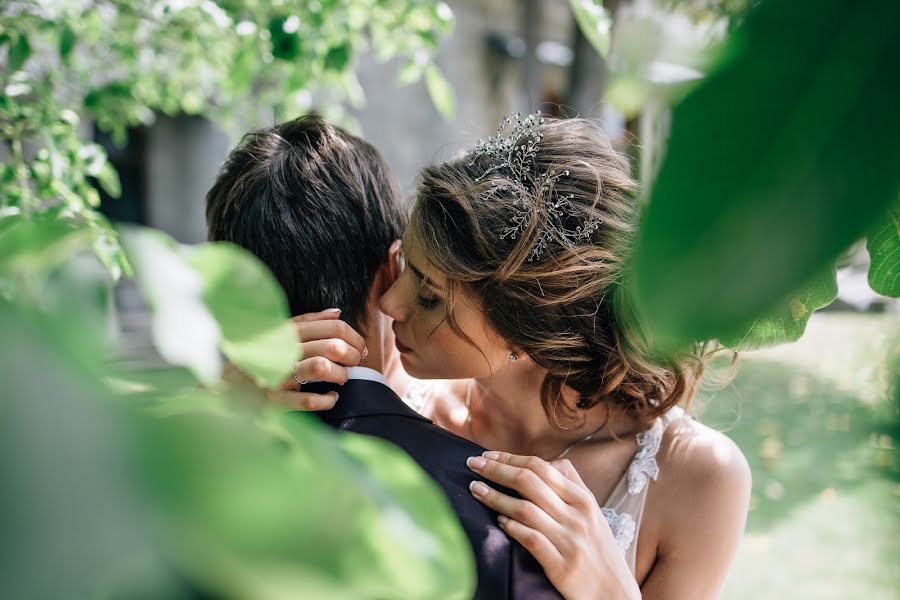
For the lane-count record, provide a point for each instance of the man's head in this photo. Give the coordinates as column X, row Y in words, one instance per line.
column 319, row 206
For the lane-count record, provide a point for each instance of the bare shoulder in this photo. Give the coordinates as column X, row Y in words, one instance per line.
column 696, row 511
column 701, row 471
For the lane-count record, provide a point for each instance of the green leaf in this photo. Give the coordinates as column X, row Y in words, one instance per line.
column 440, row 91
column 285, row 45
column 184, row 331
column 758, row 190
column 251, row 309
column 883, row 245
column 410, row 73
column 108, row 178
column 94, row 157
column 273, row 507
column 69, row 516
column 787, row 322
column 430, row 534
column 595, row 23
column 67, row 41
column 338, row 58
column 40, row 244
column 19, row 52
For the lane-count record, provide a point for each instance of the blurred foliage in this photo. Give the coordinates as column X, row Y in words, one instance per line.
column 242, row 64
column 595, row 22
column 779, row 160
column 103, row 498
column 174, row 483
column 153, row 486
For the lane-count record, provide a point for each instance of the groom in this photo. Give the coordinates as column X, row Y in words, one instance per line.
column 322, row 210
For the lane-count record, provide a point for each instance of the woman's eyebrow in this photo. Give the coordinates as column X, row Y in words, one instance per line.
column 422, row 276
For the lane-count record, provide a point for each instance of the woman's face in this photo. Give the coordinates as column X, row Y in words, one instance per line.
column 429, row 348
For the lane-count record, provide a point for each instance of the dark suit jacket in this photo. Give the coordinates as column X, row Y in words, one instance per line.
column 505, row 569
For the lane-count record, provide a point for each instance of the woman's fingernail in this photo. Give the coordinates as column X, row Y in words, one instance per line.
column 478, row 488
column 332, row 311
column 365, row 352
column 475, row 462
column 491, row 455
column 502, row 519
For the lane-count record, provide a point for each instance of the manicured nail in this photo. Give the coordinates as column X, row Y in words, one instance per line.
column 478, row 488
column 475, row 462
column 491, row 455
column 502, row 519
column 365, row 352
column 336, row 396
column 331, row 311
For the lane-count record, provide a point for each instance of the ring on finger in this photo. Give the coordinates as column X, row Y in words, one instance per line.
column 294, row 373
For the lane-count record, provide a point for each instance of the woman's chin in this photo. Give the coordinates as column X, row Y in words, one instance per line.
column 415, row 369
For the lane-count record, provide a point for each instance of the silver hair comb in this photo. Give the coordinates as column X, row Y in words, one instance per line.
column 514, row 156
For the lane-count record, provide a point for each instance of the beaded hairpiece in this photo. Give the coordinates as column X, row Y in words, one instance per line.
column 514, row 156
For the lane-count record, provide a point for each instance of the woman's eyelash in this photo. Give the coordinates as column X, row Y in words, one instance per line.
column 427, row 303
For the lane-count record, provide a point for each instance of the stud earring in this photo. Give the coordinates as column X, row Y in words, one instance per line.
column 513, row 356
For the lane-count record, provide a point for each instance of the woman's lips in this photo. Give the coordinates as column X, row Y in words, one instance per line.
column 403, row 349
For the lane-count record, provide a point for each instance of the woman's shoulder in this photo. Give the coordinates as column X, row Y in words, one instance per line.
column 697, row 508
column 703, row 468
column 698, row 452
column 704, row 479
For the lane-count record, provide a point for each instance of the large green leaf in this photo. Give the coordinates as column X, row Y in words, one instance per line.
column 883, row 245
column 595, row 23
column 787, row 321
column 67, row 514
column 184, row 330
column 99, row 497
column 251, row 310
column 777, row 162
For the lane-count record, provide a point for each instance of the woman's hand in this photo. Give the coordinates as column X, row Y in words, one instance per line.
column 559, row 521
column 328, row 346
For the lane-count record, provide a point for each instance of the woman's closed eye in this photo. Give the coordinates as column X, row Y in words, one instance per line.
column 427, row 302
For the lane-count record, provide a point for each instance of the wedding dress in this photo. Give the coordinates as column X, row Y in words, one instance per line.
column 624, row 508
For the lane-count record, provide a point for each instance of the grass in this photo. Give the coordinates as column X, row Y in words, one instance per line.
column 818, row 421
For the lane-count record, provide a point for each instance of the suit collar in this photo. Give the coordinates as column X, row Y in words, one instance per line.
column 363, row 398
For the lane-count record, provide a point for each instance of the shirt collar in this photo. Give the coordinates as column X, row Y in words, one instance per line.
column 366, row 374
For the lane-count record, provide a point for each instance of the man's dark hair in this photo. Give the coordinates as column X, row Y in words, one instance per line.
column 319, row 206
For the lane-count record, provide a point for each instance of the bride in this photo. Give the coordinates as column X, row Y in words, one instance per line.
column 515, row 298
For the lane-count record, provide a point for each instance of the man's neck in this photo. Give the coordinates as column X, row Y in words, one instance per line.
column 379, row 339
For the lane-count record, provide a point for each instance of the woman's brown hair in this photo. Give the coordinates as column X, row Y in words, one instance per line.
column 570, row 310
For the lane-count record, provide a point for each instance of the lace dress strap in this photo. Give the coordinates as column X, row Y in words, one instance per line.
column 625, row 507
column 643, row 466
column 418, row 394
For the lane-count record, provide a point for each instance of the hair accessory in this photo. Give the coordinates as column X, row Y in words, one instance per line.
column 514, row 156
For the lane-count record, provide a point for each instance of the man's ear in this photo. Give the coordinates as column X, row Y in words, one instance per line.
column 395, row 262
column 390, row 269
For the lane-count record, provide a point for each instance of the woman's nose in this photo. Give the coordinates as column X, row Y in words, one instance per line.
column 392, row 304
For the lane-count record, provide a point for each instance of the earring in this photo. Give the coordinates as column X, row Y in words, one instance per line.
column 513, row 356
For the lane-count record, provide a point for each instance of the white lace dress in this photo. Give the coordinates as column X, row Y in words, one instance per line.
column 624, row 508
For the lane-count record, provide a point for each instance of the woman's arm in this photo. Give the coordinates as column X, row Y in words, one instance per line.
column 703, row 505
